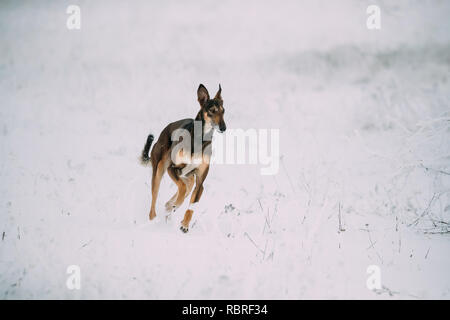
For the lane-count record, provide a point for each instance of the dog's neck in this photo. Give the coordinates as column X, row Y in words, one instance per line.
column 207, row 128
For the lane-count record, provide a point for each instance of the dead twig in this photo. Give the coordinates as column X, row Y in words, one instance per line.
column 372, row 245
column 341, row 229
column 424, row 212
column 437, row 232
column 428, row 251
column 251, row 240
column 288, row 176
column 86, row 244
column 435, row 170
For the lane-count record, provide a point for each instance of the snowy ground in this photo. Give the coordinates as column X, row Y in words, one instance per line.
column 364, row 126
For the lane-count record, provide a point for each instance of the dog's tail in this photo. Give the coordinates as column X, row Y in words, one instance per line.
column 145, row 159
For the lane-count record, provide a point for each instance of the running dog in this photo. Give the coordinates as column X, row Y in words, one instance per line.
column 166, row 156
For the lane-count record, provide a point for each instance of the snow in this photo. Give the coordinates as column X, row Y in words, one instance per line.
column 364, row 130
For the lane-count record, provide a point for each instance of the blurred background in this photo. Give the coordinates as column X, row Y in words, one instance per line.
column 364, row 149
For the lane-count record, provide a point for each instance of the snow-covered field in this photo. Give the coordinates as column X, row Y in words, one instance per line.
column 364, row 122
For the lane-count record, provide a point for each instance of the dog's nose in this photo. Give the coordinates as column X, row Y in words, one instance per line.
column 222, row 127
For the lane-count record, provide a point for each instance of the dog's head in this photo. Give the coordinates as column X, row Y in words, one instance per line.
column 212, row 109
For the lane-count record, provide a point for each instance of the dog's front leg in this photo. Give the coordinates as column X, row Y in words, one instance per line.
column 201, row 174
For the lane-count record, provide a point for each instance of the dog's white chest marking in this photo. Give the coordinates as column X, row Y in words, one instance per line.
column 197, row 160
column 207, row 129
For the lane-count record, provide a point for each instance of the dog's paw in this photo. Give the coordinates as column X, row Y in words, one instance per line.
column 184, row 229
column 170, row 207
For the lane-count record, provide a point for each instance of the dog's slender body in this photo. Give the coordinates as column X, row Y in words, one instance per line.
column 184, row 174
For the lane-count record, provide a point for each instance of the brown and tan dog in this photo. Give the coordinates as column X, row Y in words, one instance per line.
column 166, row 156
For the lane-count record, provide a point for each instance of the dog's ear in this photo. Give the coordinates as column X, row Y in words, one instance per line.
column 218, row 94
column 203, row 95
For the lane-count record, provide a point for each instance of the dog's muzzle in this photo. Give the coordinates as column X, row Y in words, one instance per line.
column 222, row 128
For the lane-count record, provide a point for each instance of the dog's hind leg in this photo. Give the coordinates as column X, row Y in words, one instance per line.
column 179, row 196
column 170, row 203
column 158, row 172
column 189, row 181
